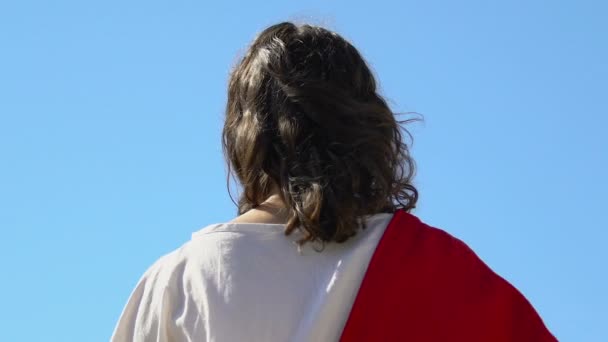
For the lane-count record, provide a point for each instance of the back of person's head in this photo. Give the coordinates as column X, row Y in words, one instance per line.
column 304, row 119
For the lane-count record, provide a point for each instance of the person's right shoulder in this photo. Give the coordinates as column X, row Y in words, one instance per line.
column 467, row 293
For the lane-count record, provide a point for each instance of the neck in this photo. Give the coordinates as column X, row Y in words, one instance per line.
column 270, row 211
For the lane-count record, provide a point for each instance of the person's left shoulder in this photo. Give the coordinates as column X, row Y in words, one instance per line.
column 155, row 300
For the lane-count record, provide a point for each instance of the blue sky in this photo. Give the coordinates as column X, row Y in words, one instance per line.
column 110, row 117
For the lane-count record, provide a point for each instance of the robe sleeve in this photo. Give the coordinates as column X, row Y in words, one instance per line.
column 155, row 309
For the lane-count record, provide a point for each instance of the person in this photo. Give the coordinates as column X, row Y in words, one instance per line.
column 324, row 246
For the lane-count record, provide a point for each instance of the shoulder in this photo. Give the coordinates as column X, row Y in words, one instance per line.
column 179, row 263
column 448, row 257
column 172, row 271
column 440, row 265
column 150, row 301
column 166, row 268
column 161, row 299
column 417, row 239
column 453, row 284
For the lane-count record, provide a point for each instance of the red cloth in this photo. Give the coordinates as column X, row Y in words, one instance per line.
column 422, row 284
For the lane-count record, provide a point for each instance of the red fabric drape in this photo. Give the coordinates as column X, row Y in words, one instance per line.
column 422, row 284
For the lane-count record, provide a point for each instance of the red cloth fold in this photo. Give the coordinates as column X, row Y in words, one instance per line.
column 422, row 284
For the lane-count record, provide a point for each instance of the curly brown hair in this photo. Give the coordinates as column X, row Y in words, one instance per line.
column 303, row 115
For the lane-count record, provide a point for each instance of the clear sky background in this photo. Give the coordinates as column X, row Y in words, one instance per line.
column 110, row 118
